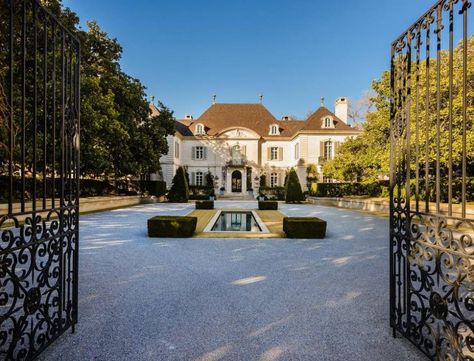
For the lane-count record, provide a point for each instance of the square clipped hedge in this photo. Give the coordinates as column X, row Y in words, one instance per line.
column 304, row 227
column 267, row 205
column 171, row 226
column 204, row 204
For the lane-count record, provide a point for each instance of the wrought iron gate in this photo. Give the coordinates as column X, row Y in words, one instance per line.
column 39, row 178
column 432, row 182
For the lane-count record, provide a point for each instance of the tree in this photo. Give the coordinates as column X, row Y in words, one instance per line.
column 367, row 158
column 118, row 135
column 179, row 191
column 311, row 170
column 210, row 183
column 293, row 191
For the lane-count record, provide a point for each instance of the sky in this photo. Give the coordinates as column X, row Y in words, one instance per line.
column 292, row 51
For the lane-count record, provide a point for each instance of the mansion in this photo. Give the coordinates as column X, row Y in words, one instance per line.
column 238, row 143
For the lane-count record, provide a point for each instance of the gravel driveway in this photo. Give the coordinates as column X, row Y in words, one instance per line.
column 232, row 299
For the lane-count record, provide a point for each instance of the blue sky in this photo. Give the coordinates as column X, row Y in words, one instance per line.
column 291, row 51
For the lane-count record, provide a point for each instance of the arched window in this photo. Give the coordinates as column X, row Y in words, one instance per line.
column 328, row 150
column 274, row 130
column 200, row 129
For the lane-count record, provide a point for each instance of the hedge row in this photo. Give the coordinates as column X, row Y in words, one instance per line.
column 171, row 226
column 201, row 192
column 154, row 188
column 276, row 193
column 88, row 188
column 267, row 205
column 205, row 204
column 381, row 189
column 347, row 189
column 304, row 227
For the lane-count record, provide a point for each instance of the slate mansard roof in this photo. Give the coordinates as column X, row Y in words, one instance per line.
column 220, row 117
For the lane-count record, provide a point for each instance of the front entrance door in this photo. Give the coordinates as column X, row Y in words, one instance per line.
column 236, row 181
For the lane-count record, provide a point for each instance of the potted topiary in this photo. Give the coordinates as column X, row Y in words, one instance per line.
column 222, row 190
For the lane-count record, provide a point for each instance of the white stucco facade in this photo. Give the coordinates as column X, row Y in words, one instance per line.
column 237, row 156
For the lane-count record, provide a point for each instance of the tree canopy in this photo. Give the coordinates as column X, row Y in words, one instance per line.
column 367, row 157
column 119, row 136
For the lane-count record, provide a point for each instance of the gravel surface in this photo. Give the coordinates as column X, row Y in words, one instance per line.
column 232, row 299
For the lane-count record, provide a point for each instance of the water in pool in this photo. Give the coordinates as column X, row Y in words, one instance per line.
column 236, row 222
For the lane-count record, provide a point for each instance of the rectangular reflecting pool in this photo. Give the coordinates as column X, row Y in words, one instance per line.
column 236, row 221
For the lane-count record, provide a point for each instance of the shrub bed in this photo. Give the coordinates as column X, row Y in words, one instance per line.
column 154, row 188
column 268, row 205
column 304, row 227
column 171, row 226
column 277, row 193
column 204, row 204
column 200, row 192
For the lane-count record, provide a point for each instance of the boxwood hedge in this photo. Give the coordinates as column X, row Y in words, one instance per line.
column 204, row 204
column 171, row 226
column 304, row 227
column 268, row 205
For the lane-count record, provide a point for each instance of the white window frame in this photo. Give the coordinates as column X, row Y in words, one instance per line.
column 274, row 130
column 200, row 129
column 273, row 153
column 199, row 178
column 328, row 122
column 328, row 150
column 199, row 152
column 274, row 178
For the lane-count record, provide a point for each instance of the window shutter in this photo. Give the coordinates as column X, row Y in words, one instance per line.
column 269, row 153
column 193, row 178
column 204, row 150
column 193, row 153
column 336, row 147
column 280, row 153
column 321, row 149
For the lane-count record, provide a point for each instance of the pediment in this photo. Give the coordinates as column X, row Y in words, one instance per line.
column 238, row 133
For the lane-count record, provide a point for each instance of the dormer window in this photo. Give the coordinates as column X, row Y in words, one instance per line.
column 274, row 129
column 200, row 129
column 328, row 122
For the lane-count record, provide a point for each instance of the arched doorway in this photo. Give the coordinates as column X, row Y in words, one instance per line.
column 236, row 181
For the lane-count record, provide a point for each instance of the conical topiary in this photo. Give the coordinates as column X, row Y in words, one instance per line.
column 179, row 191
column 293, row 191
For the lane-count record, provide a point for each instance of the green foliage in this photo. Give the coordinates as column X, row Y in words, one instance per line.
column 209, row 180
column 313, row 189
column 375, row 189
column 367, row 158
column 118, row 135
column 267, row 205
column 277, row 193
column 293, row 191
column 205, row 204
column 179, row 191
column 304, row 227
column 154, row 188
column 312, row 170
column 210, row 184
column 263, row 180
column 171, row 226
